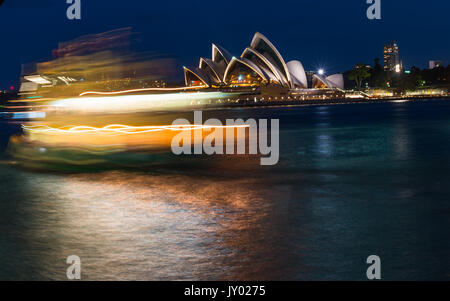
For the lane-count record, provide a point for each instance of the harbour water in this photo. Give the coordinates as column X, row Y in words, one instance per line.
column 352, row 181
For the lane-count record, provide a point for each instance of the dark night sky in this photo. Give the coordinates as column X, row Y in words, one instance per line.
column 329, row 33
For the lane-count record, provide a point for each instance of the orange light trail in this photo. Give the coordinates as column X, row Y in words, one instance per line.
column 122, row 129
column 141, row 90
column 27, row 107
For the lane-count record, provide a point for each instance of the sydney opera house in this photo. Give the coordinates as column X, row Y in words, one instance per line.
column 99, row 64
column 260, row 66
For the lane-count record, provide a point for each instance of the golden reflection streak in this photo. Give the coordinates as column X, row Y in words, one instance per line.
column 142, row 90
column 124, row 129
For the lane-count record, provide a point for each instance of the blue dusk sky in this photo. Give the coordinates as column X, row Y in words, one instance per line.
column 328, row 34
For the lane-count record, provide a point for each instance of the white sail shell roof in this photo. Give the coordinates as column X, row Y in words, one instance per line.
column 298, row 74
column 261, row 44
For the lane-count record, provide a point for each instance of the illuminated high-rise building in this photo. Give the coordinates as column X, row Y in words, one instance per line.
column 391, row 57
column 435, row 64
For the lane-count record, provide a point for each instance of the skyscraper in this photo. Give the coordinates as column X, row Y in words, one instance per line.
column 435, row 64
column 391, row 57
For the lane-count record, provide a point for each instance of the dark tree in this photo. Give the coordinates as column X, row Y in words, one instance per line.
column 358, row 74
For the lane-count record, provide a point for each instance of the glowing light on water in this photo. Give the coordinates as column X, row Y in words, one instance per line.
column 135, row 103
column 141, row 90
column 114, row 137
column 123, row 129
column 400, row 100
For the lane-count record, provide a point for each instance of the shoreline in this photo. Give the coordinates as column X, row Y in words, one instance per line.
column 247, row 104
column 297, row 103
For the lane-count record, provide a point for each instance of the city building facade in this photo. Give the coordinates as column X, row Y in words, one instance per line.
column 391, row 57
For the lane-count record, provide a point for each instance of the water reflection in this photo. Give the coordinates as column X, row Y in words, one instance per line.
column 311, row 217
column 144, row 226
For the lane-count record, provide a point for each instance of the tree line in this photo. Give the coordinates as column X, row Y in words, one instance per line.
column 363, row 76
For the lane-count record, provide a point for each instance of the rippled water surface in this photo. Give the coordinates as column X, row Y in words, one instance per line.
column 352, row 181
